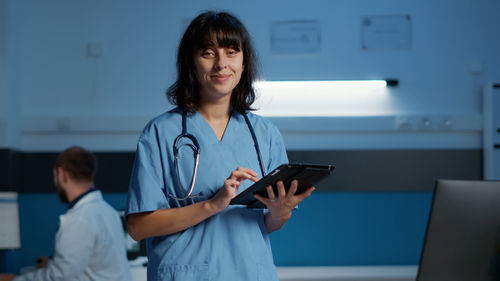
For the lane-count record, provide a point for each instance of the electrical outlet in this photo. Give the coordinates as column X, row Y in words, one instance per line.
column 446, row 123
column 405, row 123
column 425, row 124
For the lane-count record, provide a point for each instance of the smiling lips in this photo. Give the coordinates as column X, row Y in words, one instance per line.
column 220, row 77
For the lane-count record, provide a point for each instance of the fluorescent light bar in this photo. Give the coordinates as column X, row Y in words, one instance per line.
column 322, row 84
column 323, row 98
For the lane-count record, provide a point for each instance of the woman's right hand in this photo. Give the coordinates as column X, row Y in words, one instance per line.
column 230, row 188
column 172, row 220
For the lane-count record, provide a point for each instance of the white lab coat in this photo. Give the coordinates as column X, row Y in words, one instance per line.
column 90, row 245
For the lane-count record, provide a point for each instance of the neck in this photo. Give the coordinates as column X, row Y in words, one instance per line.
column 78, row 189
column 217, row 116
column 215, row 112
column 214, row 107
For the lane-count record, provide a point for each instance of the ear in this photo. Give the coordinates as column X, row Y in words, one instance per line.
column 62, row 175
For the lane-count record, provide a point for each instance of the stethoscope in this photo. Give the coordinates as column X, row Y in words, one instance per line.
column 195, row 146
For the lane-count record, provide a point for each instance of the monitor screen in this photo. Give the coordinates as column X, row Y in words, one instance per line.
column 463, row 233
column 9, row 221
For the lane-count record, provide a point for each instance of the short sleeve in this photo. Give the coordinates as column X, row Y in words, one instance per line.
column 147, row 188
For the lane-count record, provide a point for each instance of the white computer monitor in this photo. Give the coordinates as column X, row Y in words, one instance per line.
column 463, row 234
column 10, row 237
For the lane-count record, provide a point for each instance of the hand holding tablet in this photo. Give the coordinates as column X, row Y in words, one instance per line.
column 307, row 175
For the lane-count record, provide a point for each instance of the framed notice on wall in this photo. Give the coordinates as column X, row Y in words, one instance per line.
column 386, row 32
column 296, row 37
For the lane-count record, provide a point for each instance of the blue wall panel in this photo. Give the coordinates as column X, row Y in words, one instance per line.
column 330, row 228
column 368, row 228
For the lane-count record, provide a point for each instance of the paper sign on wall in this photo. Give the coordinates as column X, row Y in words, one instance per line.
column 295, row 37
column 386, row 32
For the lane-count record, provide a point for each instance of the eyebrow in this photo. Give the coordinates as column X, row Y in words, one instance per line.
column 231, row 46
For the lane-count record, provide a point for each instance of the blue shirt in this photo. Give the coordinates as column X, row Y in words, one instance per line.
column 231, row 245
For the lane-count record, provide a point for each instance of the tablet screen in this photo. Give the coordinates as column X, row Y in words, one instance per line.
column 307, row 175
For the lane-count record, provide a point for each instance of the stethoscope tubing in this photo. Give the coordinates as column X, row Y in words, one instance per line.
column 196, row 148
column 256, row 143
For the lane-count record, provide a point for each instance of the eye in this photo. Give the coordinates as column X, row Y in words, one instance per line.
column 207, row 53
column 232, row 52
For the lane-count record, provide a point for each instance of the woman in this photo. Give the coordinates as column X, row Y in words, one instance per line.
column 192, row 232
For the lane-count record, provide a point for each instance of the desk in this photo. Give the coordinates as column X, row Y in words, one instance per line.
column 347, row 273
column 325, row 273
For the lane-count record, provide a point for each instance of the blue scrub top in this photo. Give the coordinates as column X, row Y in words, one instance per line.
column 231, row 245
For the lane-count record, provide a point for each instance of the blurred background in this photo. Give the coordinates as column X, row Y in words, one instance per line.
column 92, row 73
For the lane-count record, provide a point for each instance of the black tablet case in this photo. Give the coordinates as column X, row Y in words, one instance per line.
column 307, row 175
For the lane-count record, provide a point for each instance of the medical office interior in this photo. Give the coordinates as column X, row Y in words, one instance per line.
column 92, row 73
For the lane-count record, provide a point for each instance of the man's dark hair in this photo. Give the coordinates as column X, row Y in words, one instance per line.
column 80, row 163
column 227, row 31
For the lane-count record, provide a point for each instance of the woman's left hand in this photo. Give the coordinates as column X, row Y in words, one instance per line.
column 280, row 207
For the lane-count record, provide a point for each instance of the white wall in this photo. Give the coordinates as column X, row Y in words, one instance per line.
column 65, row 97
column 3, row 71
column 9, row 102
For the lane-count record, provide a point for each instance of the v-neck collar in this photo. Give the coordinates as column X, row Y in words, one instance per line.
column 208, row 132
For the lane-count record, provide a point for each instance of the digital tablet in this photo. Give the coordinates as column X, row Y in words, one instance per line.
column 307, row 174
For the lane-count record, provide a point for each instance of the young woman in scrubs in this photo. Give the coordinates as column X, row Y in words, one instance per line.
column 202, row 237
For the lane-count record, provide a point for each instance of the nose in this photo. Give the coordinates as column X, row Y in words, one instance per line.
column 220, row 62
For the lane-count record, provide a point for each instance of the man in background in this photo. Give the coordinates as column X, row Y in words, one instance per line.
column 90, row 242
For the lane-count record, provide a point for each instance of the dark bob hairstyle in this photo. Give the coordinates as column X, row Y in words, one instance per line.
column 227, row 31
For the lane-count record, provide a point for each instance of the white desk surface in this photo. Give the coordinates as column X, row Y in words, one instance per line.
column 320, row 273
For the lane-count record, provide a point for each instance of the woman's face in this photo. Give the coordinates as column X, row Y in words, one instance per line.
column 218, row 70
